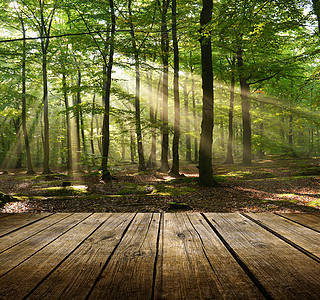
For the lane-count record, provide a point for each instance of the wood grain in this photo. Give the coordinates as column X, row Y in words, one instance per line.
column 26, row 232
column 192, row 262
column 129, row 273
column 283, row 271
column 16, row 221
column 311, row 220
column 16, row 255
column 25, row 277
column 74, row 278
column 302, row 236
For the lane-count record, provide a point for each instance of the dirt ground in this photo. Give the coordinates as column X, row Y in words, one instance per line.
column 273, row 184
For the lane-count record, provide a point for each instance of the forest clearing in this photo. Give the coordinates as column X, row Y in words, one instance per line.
column 270, row 185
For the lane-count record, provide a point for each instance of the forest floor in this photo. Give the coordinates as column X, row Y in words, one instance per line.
column 273, row 184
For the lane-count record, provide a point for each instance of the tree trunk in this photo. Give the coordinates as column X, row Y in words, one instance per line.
column 142, row 165
column 46, row 145
column 66, row 103
column 80, row 122
column 230, row 125
column 164, row 165
column 176, row 135
column 186, row 115
column 246, row 119
column 106, row 101
column 24, row 105
column 91, row 131
column 77, row 131
column 152, row 159
column 205, row 152
column 195, row 121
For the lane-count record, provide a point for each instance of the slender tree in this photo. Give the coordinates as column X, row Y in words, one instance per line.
column 176, row 135
column 142, row 165
column 106, row 99
column 24, row 104
column 164, row 164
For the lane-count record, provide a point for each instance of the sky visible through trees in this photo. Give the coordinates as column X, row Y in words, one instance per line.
column 89, row 85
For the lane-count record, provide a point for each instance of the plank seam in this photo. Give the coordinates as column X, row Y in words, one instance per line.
column 25, row 225
column 204, row 250
column 297, row 222
column 241, row 263
column 109, row 258
column 294, row 245
column 43, row 247
column 43, row 229
column 156, row 258
column 66, row 257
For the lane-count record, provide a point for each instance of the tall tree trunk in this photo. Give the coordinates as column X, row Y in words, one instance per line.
column 290, row 136
column 106, row 100
column 176, row 135
column 245, row 104
column 44, row 30
column 205, row 153
column 195, row 119
column 66, row 103
column 17, row 127
column 77, row 131
column 186, row 114
column 164, row 165
column 92, row 129
column 46, row 145
column 142, row 165
column 24, row 105
column 230, row 125
column 152, row 105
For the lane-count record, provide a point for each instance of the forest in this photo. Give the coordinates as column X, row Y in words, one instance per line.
column 117, row 105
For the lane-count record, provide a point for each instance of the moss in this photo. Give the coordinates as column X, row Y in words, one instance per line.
column 65, row 191
column 314, row 203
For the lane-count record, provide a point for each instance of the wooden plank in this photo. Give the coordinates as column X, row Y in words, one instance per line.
column 75, row 277
column 311, row 220
column 191, row 262
column 301, row 236
column 24, row 233
column 16, row 221
column 27, row 248
column 283, row 271
column 129, row 273
column 20, row 281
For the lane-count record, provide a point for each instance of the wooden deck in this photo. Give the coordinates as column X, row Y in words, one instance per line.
column 160, row 256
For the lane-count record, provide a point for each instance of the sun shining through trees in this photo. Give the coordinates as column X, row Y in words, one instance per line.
column 90, row 86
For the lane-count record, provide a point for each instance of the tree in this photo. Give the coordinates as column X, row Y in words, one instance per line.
column 24, row 104
column 205, row 153
column 142, row 165
column 176, row 135
column 164, row 167
column 106, row 99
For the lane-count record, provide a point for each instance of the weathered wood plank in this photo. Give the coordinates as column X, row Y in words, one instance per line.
column 298, row 234
column 311, row 220
column 19, row 253
column 75, row 277
column 192, row 260
column 282, row 270
column 16, row 221
column 24, row 233
column 20, row 281
column 129, row 273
